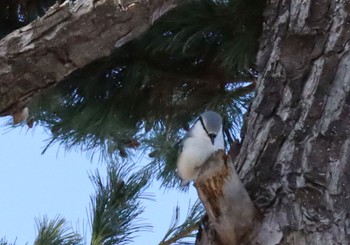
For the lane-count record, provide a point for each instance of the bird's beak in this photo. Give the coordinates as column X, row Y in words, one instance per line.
column 212, row 138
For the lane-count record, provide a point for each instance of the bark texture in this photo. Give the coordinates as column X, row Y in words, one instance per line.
column 66, row 38
column 231, row 215
column 295, row 156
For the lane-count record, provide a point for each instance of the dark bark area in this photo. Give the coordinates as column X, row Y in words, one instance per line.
column 295, row 158
column 66, row 38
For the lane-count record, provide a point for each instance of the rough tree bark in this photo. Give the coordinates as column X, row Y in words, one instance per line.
column 295, row 157
column 66, row 38
column 295, row 154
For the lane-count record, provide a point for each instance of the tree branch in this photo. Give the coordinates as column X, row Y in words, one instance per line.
column 182, row 234
column 232, row 217
column 66, row 38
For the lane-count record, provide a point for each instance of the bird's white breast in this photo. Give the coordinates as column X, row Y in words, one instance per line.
column 194, row 153
column 196, row 150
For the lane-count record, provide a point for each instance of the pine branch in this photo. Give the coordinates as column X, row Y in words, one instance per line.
column 55, row 232
column 202, row 27
column 177, row 232
column 3, row 241
column 116, row 206
column 116, row 105
column 180, row 235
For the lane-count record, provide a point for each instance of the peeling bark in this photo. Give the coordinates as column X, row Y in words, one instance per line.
column 66, row 38
column 232, row 217
column 295, row 158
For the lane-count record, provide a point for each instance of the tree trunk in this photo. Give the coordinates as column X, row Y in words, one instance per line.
column 295, row 156
column 66, row 38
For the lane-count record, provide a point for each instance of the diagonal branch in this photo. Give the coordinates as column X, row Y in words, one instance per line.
column 66, row 38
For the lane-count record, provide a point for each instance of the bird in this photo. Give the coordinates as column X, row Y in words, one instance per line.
column 200, row 142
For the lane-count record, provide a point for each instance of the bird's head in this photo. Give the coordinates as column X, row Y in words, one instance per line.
column 212, row 124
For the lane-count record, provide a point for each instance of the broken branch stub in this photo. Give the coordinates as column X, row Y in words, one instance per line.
column 232, row 217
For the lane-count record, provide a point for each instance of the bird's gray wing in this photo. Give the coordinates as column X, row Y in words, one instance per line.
column 187, row 135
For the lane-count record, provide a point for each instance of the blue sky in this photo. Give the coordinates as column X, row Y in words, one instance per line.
column 57, row 183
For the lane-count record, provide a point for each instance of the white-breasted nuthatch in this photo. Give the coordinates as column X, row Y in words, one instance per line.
column 201, row 141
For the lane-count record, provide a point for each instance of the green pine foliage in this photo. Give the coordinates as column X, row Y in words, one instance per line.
column 116, row 206
column 56, row 232
column 147, row 94
column 221, row 34
column 176, row 232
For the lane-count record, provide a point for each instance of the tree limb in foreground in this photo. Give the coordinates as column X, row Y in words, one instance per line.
column 66, row 38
